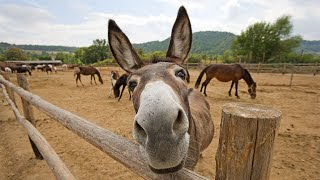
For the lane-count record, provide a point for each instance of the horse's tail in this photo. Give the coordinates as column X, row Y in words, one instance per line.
column 76, row 71
column 200, row 77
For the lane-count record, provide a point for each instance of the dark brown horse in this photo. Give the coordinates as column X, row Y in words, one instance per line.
column 121, row 81
column 225, row 73
column 172, row 124
column 87, row 70
column 20, row 69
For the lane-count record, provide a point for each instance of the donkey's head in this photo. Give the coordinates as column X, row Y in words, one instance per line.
column 160, row 96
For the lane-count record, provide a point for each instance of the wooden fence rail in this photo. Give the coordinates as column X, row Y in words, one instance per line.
column 57, row 166
column 119, row 148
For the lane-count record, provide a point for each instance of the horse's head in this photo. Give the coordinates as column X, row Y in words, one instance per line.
column 160, row 96
column 252, row 90
column 116, row 91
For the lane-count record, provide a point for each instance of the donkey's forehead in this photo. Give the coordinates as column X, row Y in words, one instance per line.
column 159, row 70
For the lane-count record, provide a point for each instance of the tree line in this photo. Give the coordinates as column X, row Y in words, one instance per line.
column 262, row 42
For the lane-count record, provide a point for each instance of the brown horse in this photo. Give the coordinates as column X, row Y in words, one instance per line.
column 172, row 122
column 87, row 70
column 225, row 73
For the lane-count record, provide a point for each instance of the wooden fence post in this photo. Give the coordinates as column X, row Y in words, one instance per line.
column 247, row 135
column 9, row 90
column 28, row 111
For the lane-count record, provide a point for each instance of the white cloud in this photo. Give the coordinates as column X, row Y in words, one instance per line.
column 31, row 23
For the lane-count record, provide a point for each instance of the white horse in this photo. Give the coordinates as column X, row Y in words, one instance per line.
column 7, row 69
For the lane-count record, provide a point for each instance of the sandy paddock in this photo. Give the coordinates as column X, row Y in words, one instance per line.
column 297, row 151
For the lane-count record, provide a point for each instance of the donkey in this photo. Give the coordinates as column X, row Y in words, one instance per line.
column 172, row 123
column 87, row 70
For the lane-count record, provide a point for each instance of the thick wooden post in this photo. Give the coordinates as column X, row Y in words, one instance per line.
column 9, row 90
column 28, row 111
column 247, row 135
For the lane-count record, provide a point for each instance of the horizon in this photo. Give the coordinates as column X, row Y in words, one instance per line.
column 77, row 24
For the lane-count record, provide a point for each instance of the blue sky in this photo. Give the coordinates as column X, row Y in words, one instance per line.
column 77, row 23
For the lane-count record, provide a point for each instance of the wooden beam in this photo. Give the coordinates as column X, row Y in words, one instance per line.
column 54, row 162
column 122, row 150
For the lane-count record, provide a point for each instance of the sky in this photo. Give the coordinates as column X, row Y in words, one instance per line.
column 79, row 22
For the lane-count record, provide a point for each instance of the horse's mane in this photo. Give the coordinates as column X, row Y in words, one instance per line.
column 249, row 75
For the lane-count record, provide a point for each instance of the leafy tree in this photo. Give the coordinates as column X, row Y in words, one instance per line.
column 96, row 52
column 15, row 54
column 262, row 41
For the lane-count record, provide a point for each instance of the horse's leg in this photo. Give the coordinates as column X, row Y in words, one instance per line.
column 231, row 88
column 91, row 80
column 111, row 89
column 77, row 80
column 121, row 92
column 94, row 78
column 237, row 89
column 80, row 79
column 205, row 84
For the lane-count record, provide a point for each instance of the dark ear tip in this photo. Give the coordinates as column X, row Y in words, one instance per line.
column 112, row 24
column 182, row 10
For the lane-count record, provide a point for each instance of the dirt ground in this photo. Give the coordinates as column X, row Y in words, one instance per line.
column 296, row 155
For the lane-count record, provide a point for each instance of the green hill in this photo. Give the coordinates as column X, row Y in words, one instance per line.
column 204, row 42
column 5, row 46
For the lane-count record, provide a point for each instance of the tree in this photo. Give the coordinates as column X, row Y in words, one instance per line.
column 262, row 41
column 94, row 53
column 15, row 54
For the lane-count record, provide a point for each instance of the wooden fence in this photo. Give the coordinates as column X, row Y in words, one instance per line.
column 262, row 120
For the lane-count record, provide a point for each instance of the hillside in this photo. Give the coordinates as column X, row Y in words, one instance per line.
column 309, row 47
column 5, row 46
column 205, row 42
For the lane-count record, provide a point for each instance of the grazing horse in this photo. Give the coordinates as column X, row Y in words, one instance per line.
column 122, row 81
column 8, row 70
column 87, row 70
column 114, row 75
column 172, row 124
column 20, row 69
column 225, row 73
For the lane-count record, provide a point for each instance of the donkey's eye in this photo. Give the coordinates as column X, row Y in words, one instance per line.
column 181, row 74
column 132, row 85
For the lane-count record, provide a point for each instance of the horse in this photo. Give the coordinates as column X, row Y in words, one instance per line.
column 87, row 70
column 20, row 69
column 172, row 124
column 225, row 73
column 114, row 75
column 8, row 70
column 121, row 81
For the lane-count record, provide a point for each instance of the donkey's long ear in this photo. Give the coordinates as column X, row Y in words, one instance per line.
column 122, row 49
column 181, row 37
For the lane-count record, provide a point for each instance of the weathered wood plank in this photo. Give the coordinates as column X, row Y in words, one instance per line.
column 247, row 134
column 117, row 147
column 54, row 162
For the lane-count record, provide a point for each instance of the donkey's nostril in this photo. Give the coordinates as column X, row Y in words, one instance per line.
column 139, row 130
column 178, row 123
